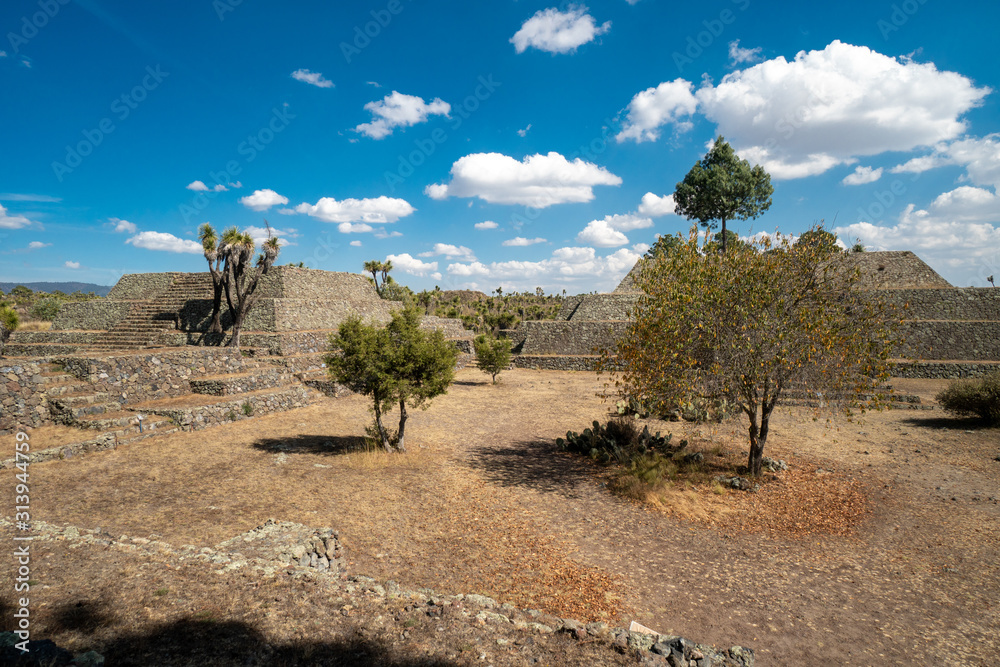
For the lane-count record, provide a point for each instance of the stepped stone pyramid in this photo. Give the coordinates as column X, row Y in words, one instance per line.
column 949, row 331
column 295, row 311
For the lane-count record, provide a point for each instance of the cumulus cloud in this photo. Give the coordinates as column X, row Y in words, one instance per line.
column 958, row 234
column 354, row 228
column 558, row 32
column 655, row 206
column 166, row 242
column 599, row 233
column 450, row 252
column 36, row 245
column 979, row 156
column 521, row 241
column 8, row 221
column 261, row 200
column 312, row 78
column 412, row 265
column 573, row 268
column 538, row 180
column 72, row 265
column 356, row 244
column 378, row 210
column 824, row 108
column 486, row 224
column 259, row 234
column 670, row 102
column 124, row 226
column 199, row 186
column 399, row 110
column 863, row 175
column 738, row 55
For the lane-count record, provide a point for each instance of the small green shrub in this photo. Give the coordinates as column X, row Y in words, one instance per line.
column 620, row 441
column 248, row 409
column 974, row 398
column 492, row 354
column 46, row 309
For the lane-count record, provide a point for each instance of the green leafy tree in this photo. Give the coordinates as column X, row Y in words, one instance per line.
column 820, row 237
column 9, row 321
column 723, row 187
column 398, row 364
column 492, row 354
column 746, row 326
column 46, row 308
column 663, row 245
column 21, row 294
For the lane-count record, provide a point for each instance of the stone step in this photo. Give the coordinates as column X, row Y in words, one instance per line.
column 69, row 388
column 240, row 383
column 73, row 400
column 113, row 421
column 197, row 411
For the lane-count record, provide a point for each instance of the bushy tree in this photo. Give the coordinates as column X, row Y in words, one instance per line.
column 747, row 325
column 46, row 308
column 723, row 187
column 978, row 397
column 492, row 354
column 821, row 237
column 398, row 364
column 9, row 321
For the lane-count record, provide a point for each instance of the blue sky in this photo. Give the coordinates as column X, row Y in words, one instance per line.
column 515, row 144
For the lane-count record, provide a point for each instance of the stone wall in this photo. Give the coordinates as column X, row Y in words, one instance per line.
column 573, row 337
column 241, row 407
column 569, row 306
column 966, row 341
column 546, row 362
column 604, row 307
column 95, row 315
column 944, row 371
column 133, row 378
column 894, row 270
column 968, row 303
column 22, row 399
column 140, row 286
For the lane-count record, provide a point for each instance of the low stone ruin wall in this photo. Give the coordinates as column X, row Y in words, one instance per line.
column 943, row 371
column 95, row 315
column 241, row 407
column 965, row 341
column 572, row 337
column 22, row 401
column 543, row 362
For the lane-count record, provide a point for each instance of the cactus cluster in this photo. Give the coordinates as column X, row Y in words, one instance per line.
column 618, row 441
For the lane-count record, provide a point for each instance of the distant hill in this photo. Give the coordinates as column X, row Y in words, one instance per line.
column 67, row 288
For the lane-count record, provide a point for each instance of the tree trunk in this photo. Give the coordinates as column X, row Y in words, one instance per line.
column 758, row 438
column 723, row 236
column 381, row 428
column 216, row 326
column 402, row 426
column 234, row 341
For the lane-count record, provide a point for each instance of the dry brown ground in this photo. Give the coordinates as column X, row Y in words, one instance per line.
column 877, row 547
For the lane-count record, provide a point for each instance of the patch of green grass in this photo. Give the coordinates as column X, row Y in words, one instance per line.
column 248, row 409
column 161, row 591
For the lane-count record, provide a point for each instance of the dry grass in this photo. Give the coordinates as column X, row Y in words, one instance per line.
column 34, row 325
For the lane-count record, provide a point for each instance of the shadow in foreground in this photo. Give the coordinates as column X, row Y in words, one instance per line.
column 949, row 423
column 536, row 464
column 195, row 643
column 313, row 444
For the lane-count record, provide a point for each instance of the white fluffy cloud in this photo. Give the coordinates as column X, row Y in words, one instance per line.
column 354, row 228
column 259, row 234
column 356, row 244
column 980, row 157
column 378, row 210
column 312, row 78
column 72, row 265
column 521, row 241
column 958, row 234
column 599, row 233
column 572, row 268
column 450, row 252
column 261, row 200
column 863, row 175
column 412, row 265
column 399, row 110
column 738, row 55
column 822, row 109
column 670, row 102
column 199, row 186
column 487, row 224
column 166, row 242
column 37, row 245
column 12, row 221
column 558, row 32
column 538, row 180
column 655, row 206
column 124, row 226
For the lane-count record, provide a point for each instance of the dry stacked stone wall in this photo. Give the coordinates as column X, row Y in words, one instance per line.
column 569, row 338
column 22, row 400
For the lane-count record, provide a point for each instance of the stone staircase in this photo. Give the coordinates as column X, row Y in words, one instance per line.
column 148, row 319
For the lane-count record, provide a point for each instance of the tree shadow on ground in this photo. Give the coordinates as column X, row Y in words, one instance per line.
column 949, row 423
column 231, row 643
column 536, row 464
column 313, row 444
column 81, row 616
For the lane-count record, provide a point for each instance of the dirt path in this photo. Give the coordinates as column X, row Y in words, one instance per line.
column 483, row 503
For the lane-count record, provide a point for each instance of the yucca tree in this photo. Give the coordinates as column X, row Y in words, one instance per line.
column 240, row 277
column 377, row 269
column 210, row 243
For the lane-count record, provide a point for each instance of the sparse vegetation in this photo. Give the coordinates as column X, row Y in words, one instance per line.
column 9, row 321
column 46, row 308
column 247, row 408
column 978, row 397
